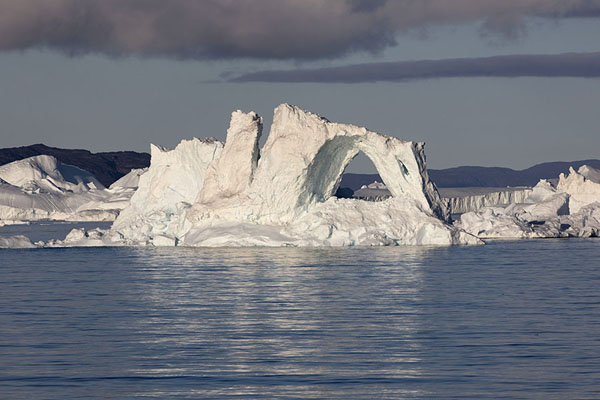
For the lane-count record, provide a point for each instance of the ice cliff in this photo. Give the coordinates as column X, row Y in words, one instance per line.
column 462, row 200
column 459, row 200
column 205, row 193
column 41, row 187
column 165, row 192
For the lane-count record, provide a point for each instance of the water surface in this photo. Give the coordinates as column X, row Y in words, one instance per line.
column 507, row 320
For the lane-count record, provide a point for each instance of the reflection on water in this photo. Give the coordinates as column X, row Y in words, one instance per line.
column 302, row 320
column 511, row 319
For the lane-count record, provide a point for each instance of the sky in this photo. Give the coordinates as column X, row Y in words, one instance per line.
column 504, row 83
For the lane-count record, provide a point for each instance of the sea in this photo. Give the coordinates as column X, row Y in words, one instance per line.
column 508, row 320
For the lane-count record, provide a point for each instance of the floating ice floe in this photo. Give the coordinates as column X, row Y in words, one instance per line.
column 42, row 188
column 206, row 193
column 16, row 242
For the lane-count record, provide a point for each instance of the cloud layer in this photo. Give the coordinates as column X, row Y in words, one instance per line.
column 582, row 65
column 267, row 29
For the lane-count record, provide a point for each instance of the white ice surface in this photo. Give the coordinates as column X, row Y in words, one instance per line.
column 583, row 187
column 165, row 192
column 131, row 180
column 572, row 209
column 459, row 200
column 46, row 174
column 462, row 200
column 205, row 194
column 42, row 188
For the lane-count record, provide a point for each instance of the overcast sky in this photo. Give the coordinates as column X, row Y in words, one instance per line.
column 483, row 82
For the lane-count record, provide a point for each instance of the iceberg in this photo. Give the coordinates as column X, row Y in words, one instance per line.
column 571, row 209
column 459, row 200
column 582, row 186
column 205, row 192
column 16, row 242
column 169, row 187
column 208, row 193
column 462, row 200
column 375, row 191
column 42, row 188
column 47, row 174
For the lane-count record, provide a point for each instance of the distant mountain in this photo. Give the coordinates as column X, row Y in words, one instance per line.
column 482, row 176
column 106, row 167
column 110, row 166
column 355, row 181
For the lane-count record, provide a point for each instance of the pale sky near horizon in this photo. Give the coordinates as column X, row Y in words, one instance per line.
column 126, row 102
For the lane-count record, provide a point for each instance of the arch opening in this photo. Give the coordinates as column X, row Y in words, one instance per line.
column 325, row 173
column 361, row 181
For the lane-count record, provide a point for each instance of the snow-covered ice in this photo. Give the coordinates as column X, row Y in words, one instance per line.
column 47, row 174
column 375, row 191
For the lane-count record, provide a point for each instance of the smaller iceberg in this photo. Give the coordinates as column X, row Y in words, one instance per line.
column 569, row 209
column 16, row 242
column 42, row 188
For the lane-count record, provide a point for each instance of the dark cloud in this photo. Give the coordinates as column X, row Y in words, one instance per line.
column 268, row 29
column 365, row 5
column 583, row 65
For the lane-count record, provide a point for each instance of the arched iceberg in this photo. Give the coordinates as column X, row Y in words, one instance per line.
column 206, row 193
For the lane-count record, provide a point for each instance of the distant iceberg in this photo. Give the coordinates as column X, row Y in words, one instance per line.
column 459, row 200
column 569, row 209
column 43, row 188
column 16, row 242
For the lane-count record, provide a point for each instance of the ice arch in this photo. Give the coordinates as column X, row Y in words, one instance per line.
column 238, row 195
column 305, row 155
column 325, row 172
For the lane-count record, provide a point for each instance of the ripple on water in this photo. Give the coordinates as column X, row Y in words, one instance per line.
column 506, row 320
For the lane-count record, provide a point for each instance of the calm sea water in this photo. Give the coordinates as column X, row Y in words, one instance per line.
column 507, row 320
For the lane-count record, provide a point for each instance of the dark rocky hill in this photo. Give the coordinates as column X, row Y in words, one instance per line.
column 483, row 176
column 107, row 167
column 110, row 166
